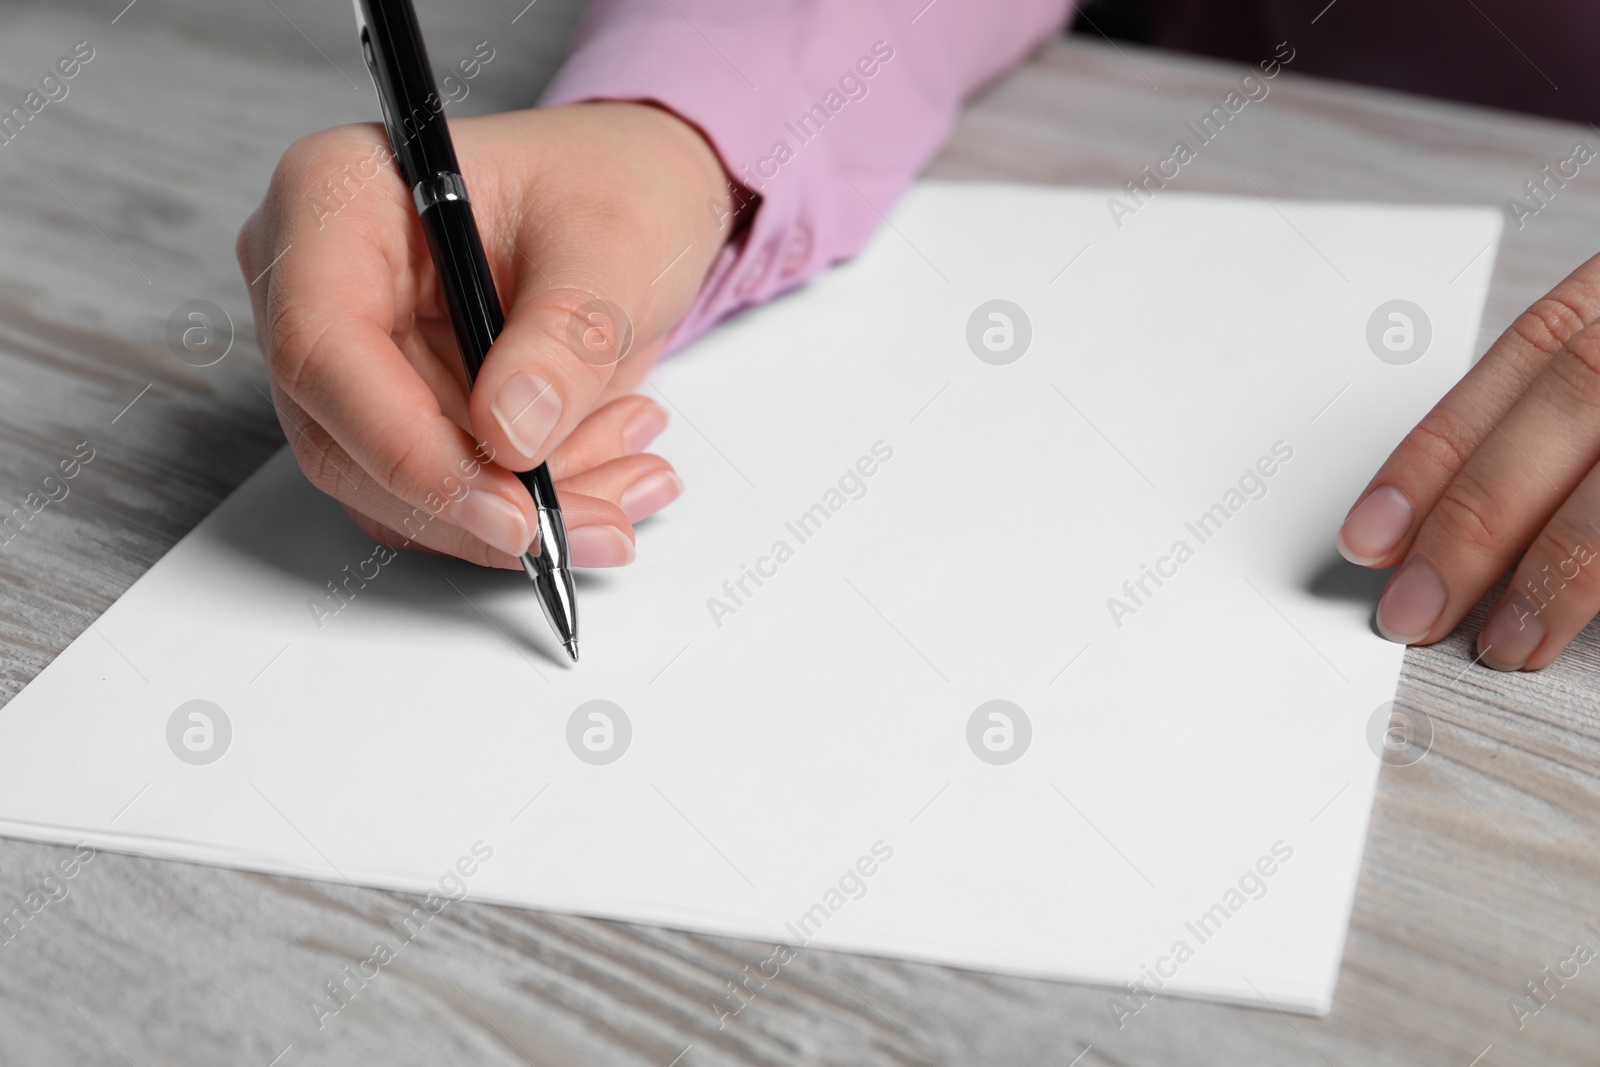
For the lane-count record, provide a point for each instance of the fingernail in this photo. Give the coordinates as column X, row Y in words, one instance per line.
column 1514, row 630
column 643, row 428
column 599, row 546
column 650, row 494
column 1375, row 526
column 527, row 409
column 1413, row 602
column 493, row 520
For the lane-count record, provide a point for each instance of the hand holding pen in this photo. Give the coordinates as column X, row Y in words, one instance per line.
column 575, row 205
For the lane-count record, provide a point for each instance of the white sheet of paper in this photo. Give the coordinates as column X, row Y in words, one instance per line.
column 819, row 725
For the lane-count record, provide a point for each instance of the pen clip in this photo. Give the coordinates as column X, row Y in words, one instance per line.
column 370, row 58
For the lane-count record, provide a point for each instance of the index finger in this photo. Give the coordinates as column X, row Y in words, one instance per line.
column 1382, row 525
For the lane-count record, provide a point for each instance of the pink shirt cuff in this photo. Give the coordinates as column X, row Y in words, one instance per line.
column 825, row 108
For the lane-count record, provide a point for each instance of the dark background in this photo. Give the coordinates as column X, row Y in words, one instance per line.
column 1536, row 56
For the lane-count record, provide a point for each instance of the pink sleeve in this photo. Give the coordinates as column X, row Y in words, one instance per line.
column 824, row 108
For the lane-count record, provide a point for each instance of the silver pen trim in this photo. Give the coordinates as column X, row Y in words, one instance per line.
column 438, row 187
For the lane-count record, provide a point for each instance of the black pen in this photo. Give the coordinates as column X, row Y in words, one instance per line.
column 391, row 44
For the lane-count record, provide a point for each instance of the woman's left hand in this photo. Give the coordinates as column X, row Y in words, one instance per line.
column 1504, row 467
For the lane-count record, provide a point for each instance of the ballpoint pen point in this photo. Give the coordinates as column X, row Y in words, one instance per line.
column 572, row 649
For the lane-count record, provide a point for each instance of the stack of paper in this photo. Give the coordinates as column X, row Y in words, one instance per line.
column 994, row 634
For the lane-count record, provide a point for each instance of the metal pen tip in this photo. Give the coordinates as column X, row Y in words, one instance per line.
column 572, row 649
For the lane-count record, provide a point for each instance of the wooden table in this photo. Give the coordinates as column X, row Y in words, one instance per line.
column 120, row 202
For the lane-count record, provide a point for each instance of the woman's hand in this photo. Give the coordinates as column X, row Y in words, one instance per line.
column 599, row 222
column 1503, row 467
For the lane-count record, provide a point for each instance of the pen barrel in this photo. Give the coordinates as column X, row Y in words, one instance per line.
column 475, row 314
column 465, row 281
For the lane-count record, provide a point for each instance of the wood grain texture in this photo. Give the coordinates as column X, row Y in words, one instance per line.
column 121, row 201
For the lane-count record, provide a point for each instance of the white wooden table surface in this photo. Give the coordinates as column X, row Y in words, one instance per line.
column 120, row 202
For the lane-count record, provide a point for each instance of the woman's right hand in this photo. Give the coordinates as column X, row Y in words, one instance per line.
column 599, row 221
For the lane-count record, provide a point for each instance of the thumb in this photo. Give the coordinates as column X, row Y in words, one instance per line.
column 548, row 368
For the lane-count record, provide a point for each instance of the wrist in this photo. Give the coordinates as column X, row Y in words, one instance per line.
column 723, row 202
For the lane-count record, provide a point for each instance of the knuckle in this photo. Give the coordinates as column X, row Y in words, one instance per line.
column 1550, row 322
column 383, row 534
column 318, row 466
column 1468, row 516
column 472, row 550
column 300, row 155
column 317, row 153
column 243, row 242
column 388, row 538
column 1578, row 370
column 584, row 329
column 369, row 525
column 294, row 340
column 1562, row 554
column 583, row 351
column 1444, row 441
column 396, row 466
column 322, row 171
